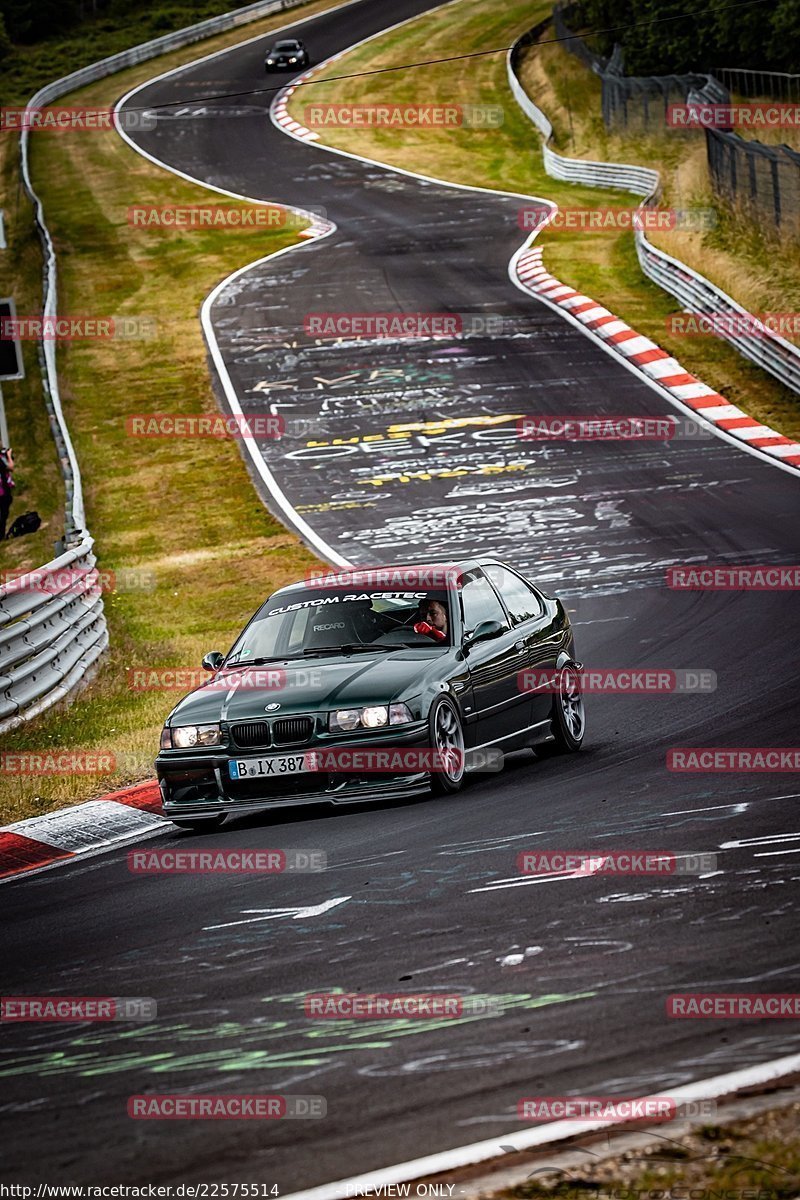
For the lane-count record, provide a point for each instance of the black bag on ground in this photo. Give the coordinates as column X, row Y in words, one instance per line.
column 28, row 522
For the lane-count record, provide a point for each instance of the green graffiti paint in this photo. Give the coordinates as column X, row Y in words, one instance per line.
column 257, row 1045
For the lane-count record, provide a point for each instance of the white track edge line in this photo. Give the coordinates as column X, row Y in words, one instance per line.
column 475, row 1152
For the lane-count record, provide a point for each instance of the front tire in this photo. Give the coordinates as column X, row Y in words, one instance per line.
column 447, row 738
column 567, row 716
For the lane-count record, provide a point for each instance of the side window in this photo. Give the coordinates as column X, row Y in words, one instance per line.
column 520, row 599
column 479, row 602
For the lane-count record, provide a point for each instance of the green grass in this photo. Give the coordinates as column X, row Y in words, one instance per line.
column 602, row 264
column 183, row 510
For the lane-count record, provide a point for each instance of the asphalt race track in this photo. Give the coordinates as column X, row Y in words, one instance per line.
column 430, row 896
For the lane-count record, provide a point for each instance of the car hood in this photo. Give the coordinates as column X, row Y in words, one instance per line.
column 312, row 684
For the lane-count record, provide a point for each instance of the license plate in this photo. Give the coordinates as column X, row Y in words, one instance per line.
column 267, row 768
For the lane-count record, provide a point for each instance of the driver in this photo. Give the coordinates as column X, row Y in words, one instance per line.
column 433, row 614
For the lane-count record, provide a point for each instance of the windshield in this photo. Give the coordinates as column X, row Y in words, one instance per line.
column 315, row 620
column 279, row 46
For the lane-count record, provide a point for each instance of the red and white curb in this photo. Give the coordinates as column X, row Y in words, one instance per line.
column 530, row 274
column 280, row 109
column 39, row 842
column 639, row 353
column 280, row 113
column 280, row 105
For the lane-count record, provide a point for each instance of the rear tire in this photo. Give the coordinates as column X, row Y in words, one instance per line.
column 567, row 716
column 200, row 824
column 447, row 737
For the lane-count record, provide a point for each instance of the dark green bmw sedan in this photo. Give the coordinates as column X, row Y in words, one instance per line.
column 373, row 683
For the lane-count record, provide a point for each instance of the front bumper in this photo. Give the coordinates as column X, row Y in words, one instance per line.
column 197, row 783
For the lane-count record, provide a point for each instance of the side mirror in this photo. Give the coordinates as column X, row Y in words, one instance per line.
column 213, row 660
column 484, row 631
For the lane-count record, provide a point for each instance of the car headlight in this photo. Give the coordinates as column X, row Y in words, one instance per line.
column 270, row 62
column 345, row 719
column 186, row 737
column 292, row 60
column 375, row 716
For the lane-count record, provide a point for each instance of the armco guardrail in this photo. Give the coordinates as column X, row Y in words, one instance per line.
column 694, row 292
column 622, row 176
column 54, row 630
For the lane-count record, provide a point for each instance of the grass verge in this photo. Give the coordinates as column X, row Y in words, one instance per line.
column 183, row 512
column 753, row 1159
column 603, row 264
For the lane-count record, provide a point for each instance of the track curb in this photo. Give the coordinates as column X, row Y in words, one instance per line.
column 649, row 360
column 69, row 833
